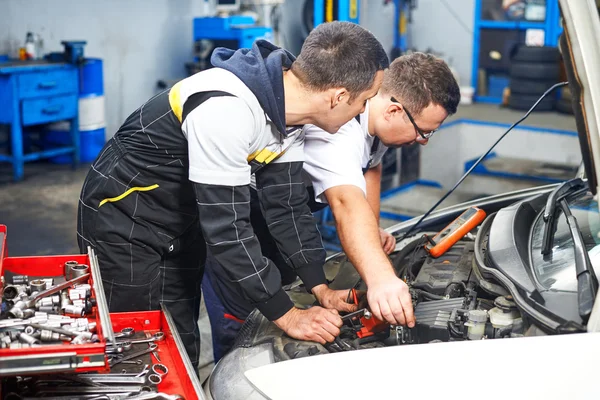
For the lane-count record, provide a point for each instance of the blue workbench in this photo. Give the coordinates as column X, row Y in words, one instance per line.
column 34, row 93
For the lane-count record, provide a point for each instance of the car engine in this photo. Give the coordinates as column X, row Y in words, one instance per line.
column 449, row 301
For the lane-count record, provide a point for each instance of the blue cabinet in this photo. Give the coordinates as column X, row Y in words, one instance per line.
column 33, row 93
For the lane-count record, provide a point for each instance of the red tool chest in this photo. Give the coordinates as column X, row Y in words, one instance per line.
column 91, row 357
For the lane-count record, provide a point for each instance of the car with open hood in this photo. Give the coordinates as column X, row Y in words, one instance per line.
column 509, row 311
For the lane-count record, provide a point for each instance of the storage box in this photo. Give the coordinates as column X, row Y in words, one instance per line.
column 67, row 358
column 52, row 358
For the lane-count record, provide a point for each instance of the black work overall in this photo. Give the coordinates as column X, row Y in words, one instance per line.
column 158, row 255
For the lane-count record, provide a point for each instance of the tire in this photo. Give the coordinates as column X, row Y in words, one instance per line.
column 535, row 54
column 524, row 102
column 527, row 86
column 564, row 106
column 547, row 72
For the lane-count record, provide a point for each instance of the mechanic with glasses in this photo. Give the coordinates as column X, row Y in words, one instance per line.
column 343, row 170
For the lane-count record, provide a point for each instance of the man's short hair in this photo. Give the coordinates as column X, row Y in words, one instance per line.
column 418, row 79
column 340, row 55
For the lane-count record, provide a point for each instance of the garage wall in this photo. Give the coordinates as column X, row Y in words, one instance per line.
column 446, row 26
column 141, row 41
column 465, row 141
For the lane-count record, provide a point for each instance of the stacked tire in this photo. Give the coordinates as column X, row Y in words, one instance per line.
column 533, row 70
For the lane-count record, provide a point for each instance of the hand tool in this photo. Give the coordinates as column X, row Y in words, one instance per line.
column 105, row 322
column 157, row 337
column 155, row 353
column 368, row 325
column 125, row 332
column 119, row 348
column 84, row 335
column 357, row 314
column 160, row 369
column 29, row 302
column 136, row 362
column 131, row 356
column 154, row 379
column 94, row 390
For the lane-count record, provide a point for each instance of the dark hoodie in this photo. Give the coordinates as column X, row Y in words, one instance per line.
column 261, row 70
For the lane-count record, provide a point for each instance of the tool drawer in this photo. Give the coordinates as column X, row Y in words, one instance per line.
column 144, row 358
column 47, row 83
column 51, row 322
column 48, row 109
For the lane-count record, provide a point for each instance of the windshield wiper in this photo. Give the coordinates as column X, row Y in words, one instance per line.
column 551, row 212
column 587, row 283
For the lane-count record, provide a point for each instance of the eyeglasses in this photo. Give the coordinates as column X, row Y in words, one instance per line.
column 424, row 135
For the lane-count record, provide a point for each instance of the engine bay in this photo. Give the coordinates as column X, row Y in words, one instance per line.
column 449, row 303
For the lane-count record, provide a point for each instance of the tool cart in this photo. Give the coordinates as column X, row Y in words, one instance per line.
column 58, row 340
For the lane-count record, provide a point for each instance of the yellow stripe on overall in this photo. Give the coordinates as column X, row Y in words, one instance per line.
column 127, row 193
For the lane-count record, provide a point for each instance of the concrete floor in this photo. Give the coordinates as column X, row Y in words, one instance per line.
column 40, row 214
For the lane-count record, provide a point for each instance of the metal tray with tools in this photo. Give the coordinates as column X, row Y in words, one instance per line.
column 54, row 317
column 151, row 364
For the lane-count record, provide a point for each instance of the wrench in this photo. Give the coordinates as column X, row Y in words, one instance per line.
column 157, row 337
column 131, row 356
column 93, row 390
column 125, row 332
column 120, row 348
column 136, row 362
column 360, row 313
column 154, row 353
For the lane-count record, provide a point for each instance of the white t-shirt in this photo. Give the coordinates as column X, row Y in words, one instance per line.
column 225, row 133
column 338, row 159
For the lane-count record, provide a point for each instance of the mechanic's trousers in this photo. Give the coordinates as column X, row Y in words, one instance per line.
column 142, row 266
column 227, row 308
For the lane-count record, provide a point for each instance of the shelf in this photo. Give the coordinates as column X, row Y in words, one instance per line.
column 522, row 25
column 488, row 99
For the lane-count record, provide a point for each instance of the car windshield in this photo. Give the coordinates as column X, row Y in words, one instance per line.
column 557, row 270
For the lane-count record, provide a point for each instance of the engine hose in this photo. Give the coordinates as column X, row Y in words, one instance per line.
column 504, row 332
column 429, row 296
column 454, row 332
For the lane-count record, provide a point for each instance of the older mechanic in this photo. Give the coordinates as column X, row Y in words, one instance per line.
column 417, row 95
column 176, row 177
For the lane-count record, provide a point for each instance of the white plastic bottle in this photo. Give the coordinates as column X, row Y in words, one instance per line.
column 30, row 48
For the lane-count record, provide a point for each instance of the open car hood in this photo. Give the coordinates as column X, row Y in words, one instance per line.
column 581, row 52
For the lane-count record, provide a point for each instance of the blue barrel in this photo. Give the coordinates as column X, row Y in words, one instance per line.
column 92, row 119
column 91, row 142
column 91, row 78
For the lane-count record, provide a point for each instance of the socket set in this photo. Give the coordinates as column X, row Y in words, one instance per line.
column 53, row 317
column 57, row 338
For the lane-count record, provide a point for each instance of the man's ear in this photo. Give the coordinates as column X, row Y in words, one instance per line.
column 339, row 96
column 393, row 109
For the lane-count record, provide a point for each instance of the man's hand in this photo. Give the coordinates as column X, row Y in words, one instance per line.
column 316, row 324
column 390, row 301
column 336, row 299
column 388, row 242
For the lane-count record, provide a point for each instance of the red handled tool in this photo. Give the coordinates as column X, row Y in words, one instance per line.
column 369, row 324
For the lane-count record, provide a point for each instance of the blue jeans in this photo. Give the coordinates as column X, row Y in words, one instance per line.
column 224, row 324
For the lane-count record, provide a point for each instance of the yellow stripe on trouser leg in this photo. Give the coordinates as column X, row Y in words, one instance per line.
column 127, row 193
